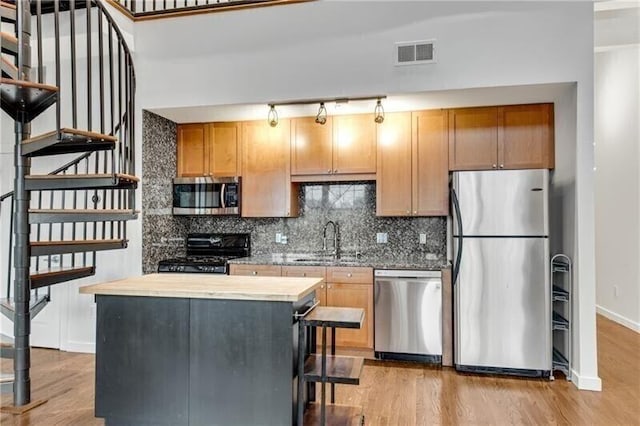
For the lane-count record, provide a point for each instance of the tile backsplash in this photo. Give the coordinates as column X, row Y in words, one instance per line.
column 351, row 205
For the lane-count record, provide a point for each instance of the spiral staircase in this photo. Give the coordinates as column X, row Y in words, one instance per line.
column 60, row 219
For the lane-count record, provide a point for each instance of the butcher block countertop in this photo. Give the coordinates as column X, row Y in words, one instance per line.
column 209, row 286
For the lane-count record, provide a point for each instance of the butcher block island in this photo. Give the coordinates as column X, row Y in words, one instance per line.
column 199, row 349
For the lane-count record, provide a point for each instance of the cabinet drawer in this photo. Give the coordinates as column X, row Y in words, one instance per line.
column 304, row 271
column 350, row 275
column 256, row 270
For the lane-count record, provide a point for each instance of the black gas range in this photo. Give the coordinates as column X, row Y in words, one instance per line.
column 209, row 253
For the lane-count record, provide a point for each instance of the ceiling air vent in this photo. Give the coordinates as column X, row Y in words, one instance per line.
column 415, row 52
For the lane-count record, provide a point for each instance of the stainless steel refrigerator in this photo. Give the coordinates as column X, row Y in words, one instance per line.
column 502, row 306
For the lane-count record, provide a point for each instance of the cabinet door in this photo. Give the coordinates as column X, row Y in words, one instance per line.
column 266, row 179
column 224, row 149
column 353, row 296
column 192, row 150
column 354, row 144
column 393, row 175
column 311, row 146
column 525, row 137
column 473, row 138
column 430, row 164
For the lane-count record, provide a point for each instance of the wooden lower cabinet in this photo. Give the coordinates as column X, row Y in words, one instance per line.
column 353, row 296
column 349, row 287
column 256, row 270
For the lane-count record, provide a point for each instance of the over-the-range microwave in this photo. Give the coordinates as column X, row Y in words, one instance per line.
column 206, row 196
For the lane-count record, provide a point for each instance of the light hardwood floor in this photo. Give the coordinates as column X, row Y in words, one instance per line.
column 400, row 394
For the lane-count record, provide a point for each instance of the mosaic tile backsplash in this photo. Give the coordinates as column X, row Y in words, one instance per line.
column 351, row 205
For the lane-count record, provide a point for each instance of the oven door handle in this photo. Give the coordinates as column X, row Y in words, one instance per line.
column 223, row 188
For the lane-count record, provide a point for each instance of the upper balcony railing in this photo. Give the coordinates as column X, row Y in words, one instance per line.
column 155, row 9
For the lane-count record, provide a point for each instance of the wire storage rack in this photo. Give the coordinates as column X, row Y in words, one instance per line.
column 561, row 315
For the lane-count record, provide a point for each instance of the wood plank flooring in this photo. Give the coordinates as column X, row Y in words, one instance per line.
column 398, row 394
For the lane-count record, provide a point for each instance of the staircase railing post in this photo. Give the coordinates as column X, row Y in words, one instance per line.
column 22, row 317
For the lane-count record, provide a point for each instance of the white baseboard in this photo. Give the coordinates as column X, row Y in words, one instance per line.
column 586, row 383
column 635, row 326
column 82, row 347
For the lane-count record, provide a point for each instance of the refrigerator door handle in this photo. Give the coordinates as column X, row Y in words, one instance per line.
column 456, row 209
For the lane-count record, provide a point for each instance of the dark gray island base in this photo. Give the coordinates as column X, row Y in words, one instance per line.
column 196, row 361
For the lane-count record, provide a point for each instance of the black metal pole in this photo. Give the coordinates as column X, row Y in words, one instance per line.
column 21, row 295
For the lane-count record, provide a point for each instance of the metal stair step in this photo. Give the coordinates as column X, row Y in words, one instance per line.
column 6, row 346
column 30, row 99
column 36, row 304
column 9, row 43
column 69, row 215
column 7, row 11
column 81, row 181
column 44, row 248
column 9, row 70
column 67, row 141
column 47, row 277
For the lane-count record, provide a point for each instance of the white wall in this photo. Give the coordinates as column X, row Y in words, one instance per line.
column 617, row 108
column 325, row 49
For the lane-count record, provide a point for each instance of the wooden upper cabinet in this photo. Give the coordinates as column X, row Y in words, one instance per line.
column 473, row 138
column 525, row 137
column 266, row 182
column 354, row 144
column 413, row 167
column 192, row 149
column 311, row 147
column 225, row 149
column 430, row 167
column 393, row 175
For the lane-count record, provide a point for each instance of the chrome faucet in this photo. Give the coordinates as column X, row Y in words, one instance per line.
column 335, row 238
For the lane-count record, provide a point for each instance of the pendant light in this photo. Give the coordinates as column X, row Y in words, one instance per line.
column 321, row 118
column 379, row 112
column 272, row 117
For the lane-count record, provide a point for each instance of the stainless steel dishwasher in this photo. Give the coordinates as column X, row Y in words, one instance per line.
column 408, row 315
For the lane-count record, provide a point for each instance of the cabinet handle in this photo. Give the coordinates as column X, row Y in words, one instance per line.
column 349, row 275
column 494, row 166
column 502, row 166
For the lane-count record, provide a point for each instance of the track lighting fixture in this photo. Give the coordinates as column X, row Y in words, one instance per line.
column 379, row 112
column 321, row 118
column 272, row 117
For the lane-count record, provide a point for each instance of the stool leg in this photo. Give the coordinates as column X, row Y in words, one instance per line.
column 311, row 338
column 301, row 352
column 333, row 352
column 323, row 396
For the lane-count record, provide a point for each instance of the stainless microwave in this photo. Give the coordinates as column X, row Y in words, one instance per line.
column 206, row 196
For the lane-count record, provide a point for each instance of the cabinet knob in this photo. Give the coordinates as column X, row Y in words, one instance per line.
column 329, row 171
column 415, row 212
column 408, row 211
column 304, row 274
column 329, row 286
column 335, row 171
column 349, row 275
column 254, row 272
column 494, row 166
column 322, row 286
column 502, row 166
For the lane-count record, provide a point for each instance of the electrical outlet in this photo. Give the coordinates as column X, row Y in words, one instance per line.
column 382, row 238
column 615, row 291
column 284, row 239
column 278, row 237
column 423, row 238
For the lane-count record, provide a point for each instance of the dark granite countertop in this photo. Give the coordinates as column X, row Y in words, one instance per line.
column 306, row 259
